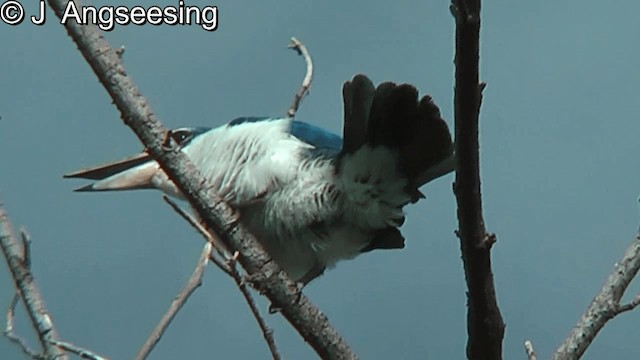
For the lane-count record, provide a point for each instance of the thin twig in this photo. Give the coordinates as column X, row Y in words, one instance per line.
column 299, row 47
column 220, row 264
column 267, row 333
column 605, row 306
column 485, row 327
column 528, row 347
column 629, row 306
column 230, row 269
column 8, row 331
column 25, row 284
column 82, row 353
column 194, row 282
column 196, row 225
column 217, row 244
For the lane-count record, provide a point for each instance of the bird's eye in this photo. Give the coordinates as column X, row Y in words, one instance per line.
column 180, row 136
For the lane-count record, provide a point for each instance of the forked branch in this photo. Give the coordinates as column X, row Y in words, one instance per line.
column 605, row 306
column 229, row 267
column 18, row 259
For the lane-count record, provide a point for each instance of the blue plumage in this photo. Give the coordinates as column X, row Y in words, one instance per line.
column 324, row 142
column 320, row 138
column 248, row 119
column 311, row 198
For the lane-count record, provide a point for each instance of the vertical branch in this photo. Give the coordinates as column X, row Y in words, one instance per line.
column 485, row 327
column 29, row 292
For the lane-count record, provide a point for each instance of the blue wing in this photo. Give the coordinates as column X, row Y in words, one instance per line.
column 324, row 142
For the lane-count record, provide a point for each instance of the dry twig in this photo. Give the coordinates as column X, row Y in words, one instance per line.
column 528, row 347
column 11, row 310
column 18, row 258
column 605, row 306
column 82, row 353
column 8, row 331
column 215, row 242
column 267, row 333
column 194, row 282
column 229, row 267
column 306, row 82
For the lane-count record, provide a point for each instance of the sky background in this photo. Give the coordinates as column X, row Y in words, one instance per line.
column 559, row 157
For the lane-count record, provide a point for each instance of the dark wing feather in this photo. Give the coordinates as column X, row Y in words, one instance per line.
column 357, row 96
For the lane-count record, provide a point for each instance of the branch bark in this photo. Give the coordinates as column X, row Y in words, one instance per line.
column 528, row 347
column 605, row 306
column 485, row 326
column 266, row 275
column 229, row 267
column 25, row 284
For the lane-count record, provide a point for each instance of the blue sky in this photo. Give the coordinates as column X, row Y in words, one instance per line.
column 560, row 170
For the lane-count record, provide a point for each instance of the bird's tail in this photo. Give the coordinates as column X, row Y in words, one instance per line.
column 394, row 142
column 394, row 118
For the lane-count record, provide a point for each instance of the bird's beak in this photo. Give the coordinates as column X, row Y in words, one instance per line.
column 135, row 172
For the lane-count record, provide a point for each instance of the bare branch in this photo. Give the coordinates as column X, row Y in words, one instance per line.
column 194, row 282
column 267, row 333
column 629, row 306
column 528, row 347
column 205, row 233
column 217, row 244
column 267, row 276
column 26, row 287
column 230, row 269
column 82, row 353
column 485, row 326
column 8, row 331
column 306, row 82
column 605, row 306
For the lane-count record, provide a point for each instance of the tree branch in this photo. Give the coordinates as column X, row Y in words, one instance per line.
column 485, row 326
column 266, row 275
column 8, row 331
column 528, row 347
column 82, row 353
column 17, row 259
column 229, row 267
column 605, row 306
column 215, row 242
column 194, row 282
column 267, row 333
column 306, row 82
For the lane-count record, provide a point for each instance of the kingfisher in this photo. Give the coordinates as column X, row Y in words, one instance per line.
column 310, row 197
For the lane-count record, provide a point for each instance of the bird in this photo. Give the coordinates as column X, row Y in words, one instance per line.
column 310, row 197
